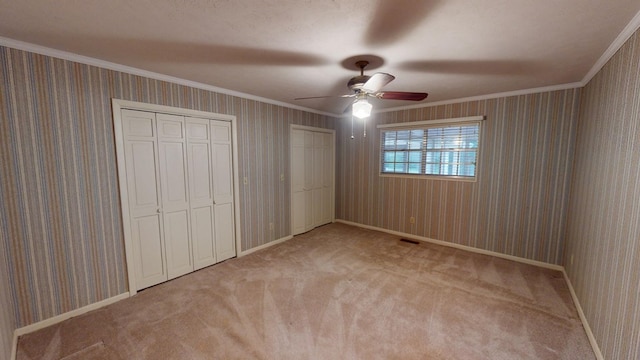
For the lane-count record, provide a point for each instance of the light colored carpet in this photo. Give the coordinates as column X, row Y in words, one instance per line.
column 337, row 292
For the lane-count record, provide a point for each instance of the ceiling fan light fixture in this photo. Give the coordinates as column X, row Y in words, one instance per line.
column 361, row 108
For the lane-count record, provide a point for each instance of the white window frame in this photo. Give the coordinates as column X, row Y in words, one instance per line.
column 430, row 124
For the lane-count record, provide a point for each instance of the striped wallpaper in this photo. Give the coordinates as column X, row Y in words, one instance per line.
column 7, row 318
column 61, row 227
column 603, row 231
column 516, row 207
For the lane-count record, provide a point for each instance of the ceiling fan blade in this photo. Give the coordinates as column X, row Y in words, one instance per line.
column 473, row 67
column 401, row 95
column 323, row 97
column 377, row 81
column 396, row 19
column 347, row 109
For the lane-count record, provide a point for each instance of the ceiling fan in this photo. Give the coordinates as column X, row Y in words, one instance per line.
column 365, row 86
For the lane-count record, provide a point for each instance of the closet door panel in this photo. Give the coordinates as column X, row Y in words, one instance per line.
column 173, row 167
column 224, row 225
column 318, row 160
column 318, row 175
column 220, row 131
column 308, row 210
column 200, row 168
column 148, row 249
column 297, row 161
column 327, row 164
column 201, row 191
column 197, row 129
column 223, row 190
column 139, row 124
column 142, row 177
column 144, row 198
column 316, row 196
column 174, row 174
column 176, row 231
column 170, row 126
column 298, row 212
column 202, row 235
column 222, row 178
column 175, row 193
column 222, row 162
column 327, row 206
column 142, row 162
column 327, row 161
column 308, row 160
column 297, row 182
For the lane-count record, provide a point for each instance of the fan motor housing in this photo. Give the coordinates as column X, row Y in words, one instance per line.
column 356, row 82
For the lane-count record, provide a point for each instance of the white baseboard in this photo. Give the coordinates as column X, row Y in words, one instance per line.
column 457, row 246
column 60, row 318
column 264, row 246
column 14, row 347
column 583, row 318
column 592, row 340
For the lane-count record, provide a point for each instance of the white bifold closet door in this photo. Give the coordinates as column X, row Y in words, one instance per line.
column 180, row 191
column 312, row 179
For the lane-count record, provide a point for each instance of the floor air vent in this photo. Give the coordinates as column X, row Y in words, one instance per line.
column 410, row 241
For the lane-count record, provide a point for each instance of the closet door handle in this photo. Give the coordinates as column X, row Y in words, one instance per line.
column 159, row 211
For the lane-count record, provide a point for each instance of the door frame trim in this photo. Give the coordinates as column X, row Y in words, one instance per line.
column 117, row 105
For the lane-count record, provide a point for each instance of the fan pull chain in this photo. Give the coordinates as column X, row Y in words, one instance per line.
column 364, row 126
column 352, row 137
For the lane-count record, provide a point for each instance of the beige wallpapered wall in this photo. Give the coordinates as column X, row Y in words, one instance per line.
column 61, row 226
column 7, row 308
column 603, row 233
column 516, row 207
column 61, row 230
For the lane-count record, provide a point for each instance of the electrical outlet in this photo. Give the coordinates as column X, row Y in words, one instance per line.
column 412, row 220
column 245, row 181
column 271, row 227
column 281, row 177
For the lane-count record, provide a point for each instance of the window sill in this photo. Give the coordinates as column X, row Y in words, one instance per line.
column 431, row 177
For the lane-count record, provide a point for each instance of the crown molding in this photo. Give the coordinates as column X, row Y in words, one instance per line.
column 486, row 97
column 64, row 55
column 622, row 38
column 619, row 41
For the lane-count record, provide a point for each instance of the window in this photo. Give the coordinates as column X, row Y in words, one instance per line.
column 446, row 149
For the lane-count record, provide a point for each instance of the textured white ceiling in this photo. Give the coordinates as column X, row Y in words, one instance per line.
column 283, row 49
